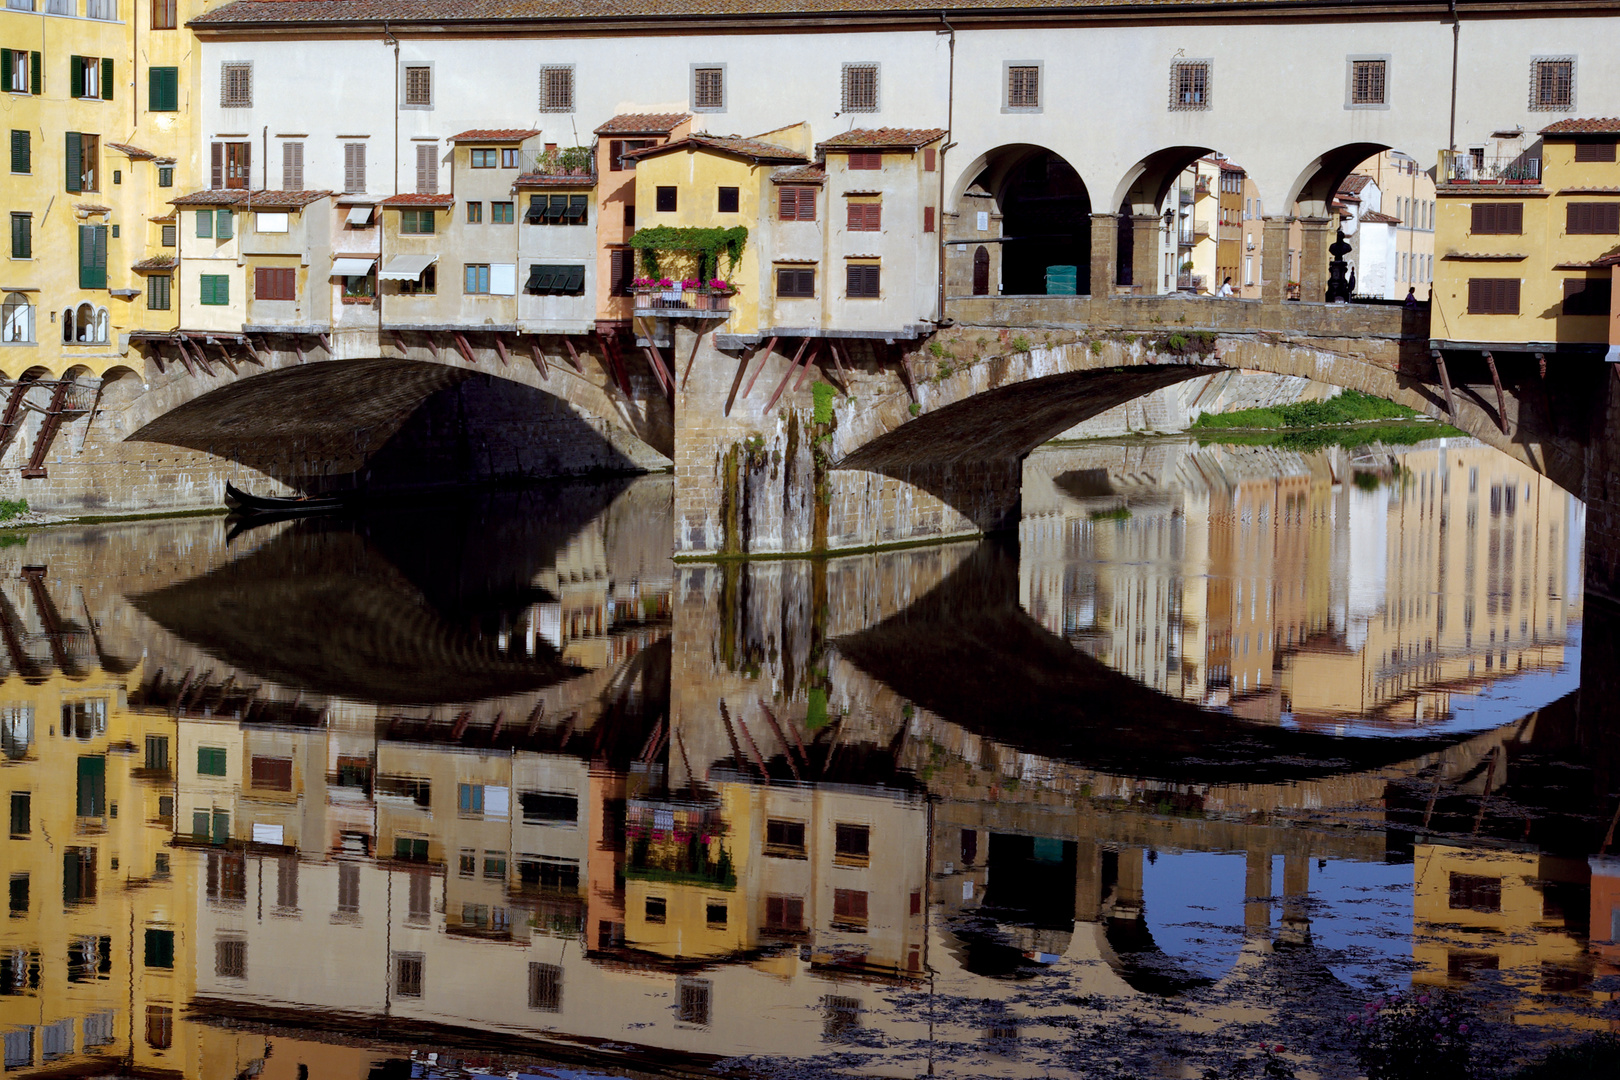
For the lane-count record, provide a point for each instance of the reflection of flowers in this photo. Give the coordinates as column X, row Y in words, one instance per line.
column 1416, row 1034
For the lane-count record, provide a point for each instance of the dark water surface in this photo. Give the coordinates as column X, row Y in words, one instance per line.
column 1227, row 742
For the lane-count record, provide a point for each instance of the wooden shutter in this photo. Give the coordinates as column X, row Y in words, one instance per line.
column 862, row 281
column 1594, row 151
column 427, row 168
column 35, row 73
column 354, row 166
column 930, row 159
column 615, row 149
column 1503, row 219
column 787, row 203
column 22, row 246
column 1493, row 296
column 5, row 69
column 1592, row 219
column 224, row 226
column 865, row 217
column 865, row 159
column 292, row 166
column 92, row 256
column 981, row 271
column 620, row 262
column 106, row 79
column 21, row 151
column 217, row 172
column 75, row 162
column 807, row 204
column 76, row 76
column 928, row 219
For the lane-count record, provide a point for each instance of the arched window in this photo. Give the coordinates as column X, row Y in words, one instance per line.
column 67, row 325
column 981, row 271
column 101, row 325
column 84, row 320
column 85, row 325
column 17, row 318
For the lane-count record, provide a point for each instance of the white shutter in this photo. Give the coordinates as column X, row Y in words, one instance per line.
column 502, row 279
column 497, row 800
column 427, row 168
column 354, row 166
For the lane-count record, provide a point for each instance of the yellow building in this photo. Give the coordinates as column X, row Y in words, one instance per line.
column 98, row 144
column 1521, row 243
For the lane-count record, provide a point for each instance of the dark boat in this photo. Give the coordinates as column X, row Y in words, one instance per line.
column 242, row 502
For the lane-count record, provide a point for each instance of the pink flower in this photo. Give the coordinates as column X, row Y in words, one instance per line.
column 1278, row 1048
column 665, row 283
column 1462, row 1029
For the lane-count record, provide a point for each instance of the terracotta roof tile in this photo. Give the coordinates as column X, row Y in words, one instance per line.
column 496, row 135
column 1377, row 217
column 412, row 199
column 1601, row 126
column 209, row 197
column 557, row 180
column 156, row 262
column 134, row 153
column 643, row 124
column 866, row 138
column 813, row 173
column 1607, row 260
column 269, row 200
column 728, row 144
column 1354, row 183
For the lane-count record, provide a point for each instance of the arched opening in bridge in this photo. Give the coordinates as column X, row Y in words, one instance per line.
column 1029, row 210
column 1190, row 221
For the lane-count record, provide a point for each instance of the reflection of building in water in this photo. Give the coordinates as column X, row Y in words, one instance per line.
column 1303, row 584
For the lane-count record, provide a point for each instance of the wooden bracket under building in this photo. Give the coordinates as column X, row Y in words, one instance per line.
column 539, row 358
column 770, row 347
column 1501, row 399
column 1445, row 381
column 465, row 349
column 500, row 350
column 35, row 469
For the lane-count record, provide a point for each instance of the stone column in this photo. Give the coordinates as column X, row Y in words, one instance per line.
column 1145, row 254
column 1296, row 923
column 1316, row 235
column 1104, row 253
column 1274, row 261
column 1087, row 881
column 1128, row 885
column 1257, row 894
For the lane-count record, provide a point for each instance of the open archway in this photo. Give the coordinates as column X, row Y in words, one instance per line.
column 1029, row 210
column 1189, row 221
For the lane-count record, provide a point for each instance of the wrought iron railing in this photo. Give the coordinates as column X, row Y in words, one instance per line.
column 1465, row 168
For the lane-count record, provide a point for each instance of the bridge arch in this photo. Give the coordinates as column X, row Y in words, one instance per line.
column 1044, row 209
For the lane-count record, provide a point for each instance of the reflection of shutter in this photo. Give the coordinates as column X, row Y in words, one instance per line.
column 92, row 792
column 427, row 169
column 217, row 158
column 75, row 162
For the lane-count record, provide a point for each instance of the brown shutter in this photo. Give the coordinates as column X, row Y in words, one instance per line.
column 619, row 276
column 807, row 204
column 615, row 151
column 874, row 217
column 787, row 203
column 928, row 219
column 1593, row 219
column 217, row 157
column 854, row 217
column 930, row 159
column 427, row 168
column 1594, row 151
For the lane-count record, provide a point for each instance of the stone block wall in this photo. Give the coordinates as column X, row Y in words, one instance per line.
column 1602, row 495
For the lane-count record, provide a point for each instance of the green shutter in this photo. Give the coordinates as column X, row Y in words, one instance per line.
column 215, row 291
column 199, row 825
column 5, row 68
column 75, row 161
column 92, row 256
column 205, row 223
column 159, row 948
column 92, row 786
column 163, row 89
column 22, row 240
column 34, row 73
column 222, row 228
column 106, row 79
column 76, row 76
column 21, row 155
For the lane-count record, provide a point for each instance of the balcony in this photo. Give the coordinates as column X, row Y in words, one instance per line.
column 1472, row 169
column 682, row 300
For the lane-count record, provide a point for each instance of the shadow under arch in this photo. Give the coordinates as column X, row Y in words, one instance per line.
column 1045, row 215
column 1313, row 191
column 388, row 424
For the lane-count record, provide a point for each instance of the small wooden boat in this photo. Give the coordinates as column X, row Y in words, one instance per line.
column 242, row 502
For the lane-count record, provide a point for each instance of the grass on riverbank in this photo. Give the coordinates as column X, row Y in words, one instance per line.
column 1350, row 407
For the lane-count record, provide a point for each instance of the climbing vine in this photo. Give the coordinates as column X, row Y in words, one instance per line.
column 706, row 244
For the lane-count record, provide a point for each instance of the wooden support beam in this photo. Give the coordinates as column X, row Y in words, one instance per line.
column 13, row 415
column 157, row 358
column 500, row 350
column 399, row 342
column 326, row 343
column 656, row 361
column 1501, row 399
column 539, row 358
column 465, row 349
column 905, row 373
column 613, row 359
column 838, row 362
column 1546, row 393
column 815, row 351
column 225, row 357
column 252, row 351
column 1445, row 382
column 573, row 355
column 185, row 357
column 697, row 339
column 202, row 360
column 298, row 347
column 736, row 382
column 769, row 348
column 771, row 404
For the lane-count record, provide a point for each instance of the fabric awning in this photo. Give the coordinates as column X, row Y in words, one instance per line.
column 352, row 267
column 406, row 267
column 359, row 215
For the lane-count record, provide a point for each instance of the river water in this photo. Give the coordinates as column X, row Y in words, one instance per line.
column 1226, row 743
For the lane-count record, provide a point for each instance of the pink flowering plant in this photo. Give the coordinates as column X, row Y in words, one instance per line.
column 1421, row 1034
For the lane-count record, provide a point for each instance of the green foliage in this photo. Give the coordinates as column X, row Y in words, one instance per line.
column 1096, row 348
column 914, row 408
column 1186, row 343
column 10, row 508
column 1399, row 433
column 569, row 159
column 938, row 350
column 14, row 540
column 1366, row 481
column 822, row 393
column 707, row 244
column 815, row 718
column 1020, row 344
column 1350, row 407
column 944, row 370
column 1118, row 513
column 1594, row 1058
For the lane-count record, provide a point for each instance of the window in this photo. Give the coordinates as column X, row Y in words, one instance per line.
column 792, row 282
column 22, row 236
column 163, row 89
column 851, row 843
column 475, row 213
column 784, row 912
column 1190, row 84
column 1471, row 892
column 542, row 808
column 92, row 786
column 666, row 200
column 78, row 875
column 22, row 151
column 230, row 165
column 476, row 283
column 1023, row 86
column 1552, row 84
column 501, row 213
column 557, row 281
column 408, row 974
column 796, row 202
column 1592, row 218
column 545, row 987
column 862, row 282
column 16, row 326
column 1367, row 82
column 482, row 158
column 292, row 166
column 509, row 157
column 19, row 71
column 159, row 1027
column 354, row 167
column 270, row 773
column 163, row 14
column 1587, row 296
column 693, row 998
column 165, row 176
column 785, row 837
column 348, row 888
column 928, row 219
column 726, row 200
column 709, row 87
column 236, row 86
column 287, row 883
column 159, row 948
column 84, row 325
column 210, row 761
column 1586, row 151
column 92, row 273
column 1501, row 219
column 557, row 88
column 83, row 157
column 865, row 216
column 617, row 148
column 865, row 159
column 655, row 909
column 849, row 909
column 101, row 9
column 230, row 958
column 418, row 86
column 90, row 77
column 621, row 271
column 425, row 285
column 1493, row 296
column 427, row 168
column 860, row 88
column 415, row 222
column 21, row 813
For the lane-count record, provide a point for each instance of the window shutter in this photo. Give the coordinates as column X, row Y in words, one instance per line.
column 354, row 166
column 75, row 76
column 292, row 166
column 928, row 219
column 217, row 173
column 787, row 203
column 107, row 79
column 615, row 150
column 5, row 69
column 223, row 224
column 21, row 157
column 75, row 162
column 874, row 217
column 1594, row 151
column 807, row 204
column 35, row 73
column 21, row 241
column 92, row 256
column 427, row 169
column 930, row 159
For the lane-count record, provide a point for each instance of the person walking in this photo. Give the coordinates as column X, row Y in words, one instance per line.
column 1411, row 296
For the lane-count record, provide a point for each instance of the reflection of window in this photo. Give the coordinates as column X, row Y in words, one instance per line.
column 544, row 808
column 784, row 912
column 840, row 1016
column 849, row 909
column 16, row 730
column 348, row 887
column 715, row 914
column 159, row 1027
column 545, row 987
column 230, row 958
column 227, row 877
column 84, row 719
column 1473, row 892
column 17, row 896
column 420, row 901
column 272, row 774
column 784, row 837
column 693, row 999
column 411, row 848
column 89, row 959
column 851, row 843
column 210, row 761
column 408, row 974
column 22, row 813
column 495, row 865
column 19, row 1052
column 287, row 883
column 656, row 909
column 159, row 948
column 549, row 874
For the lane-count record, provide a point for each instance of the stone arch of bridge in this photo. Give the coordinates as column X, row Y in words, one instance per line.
column 390, row 422
column 1045, row 210
column 1311, row 194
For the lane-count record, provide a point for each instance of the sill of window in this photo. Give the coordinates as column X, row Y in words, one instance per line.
column 786, row 853
column 848, row 927
column 861, row 861
column 30, row 344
